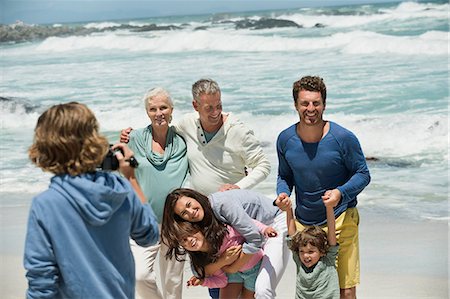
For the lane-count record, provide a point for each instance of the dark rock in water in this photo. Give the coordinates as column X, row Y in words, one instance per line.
column 223, row 22
column 12, row 104
column 22, row 33
column 372, row 159
column 18, row 33
column 319, row 25
column 154, row 27
column 265, row 23
column 434, row 125
column 391, row 162
column 201, row 28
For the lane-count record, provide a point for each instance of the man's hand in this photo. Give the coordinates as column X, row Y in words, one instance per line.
column 283, row 202
column 270, row 232
column 226, row 187
column 331, row 198
column 125, row 135
column 194, row 281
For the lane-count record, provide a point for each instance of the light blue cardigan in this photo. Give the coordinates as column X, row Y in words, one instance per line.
column 159, row 174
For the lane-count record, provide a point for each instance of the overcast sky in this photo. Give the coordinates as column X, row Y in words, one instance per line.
column 42, row 11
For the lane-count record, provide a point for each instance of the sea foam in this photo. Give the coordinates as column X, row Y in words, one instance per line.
column 354, row 42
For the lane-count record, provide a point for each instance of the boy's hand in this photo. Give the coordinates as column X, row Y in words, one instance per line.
column 194, row 281
column 331, row 198
column 124, row 159
column 270, row 232
column 283, row 202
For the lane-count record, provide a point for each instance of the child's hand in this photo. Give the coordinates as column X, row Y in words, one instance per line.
column 194, row 281
column 283, row 202
column 270, row 232
column 230, row 255
column 331, row 198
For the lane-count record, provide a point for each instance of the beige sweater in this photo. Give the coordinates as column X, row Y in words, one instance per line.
column 225, row 157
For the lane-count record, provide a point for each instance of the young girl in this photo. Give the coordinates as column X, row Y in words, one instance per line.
column 315, row 254
column 237, row 208
column 206, row 248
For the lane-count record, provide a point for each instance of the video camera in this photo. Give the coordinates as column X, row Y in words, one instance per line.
column 111, row 163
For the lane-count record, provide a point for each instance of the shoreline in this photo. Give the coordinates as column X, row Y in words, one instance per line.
column 400, row 257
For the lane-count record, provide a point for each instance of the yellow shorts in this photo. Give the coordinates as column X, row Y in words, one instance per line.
column 347, row 236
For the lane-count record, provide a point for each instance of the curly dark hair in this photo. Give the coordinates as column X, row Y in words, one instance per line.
column 310, row 83
column 67, row 141
column 312, row 235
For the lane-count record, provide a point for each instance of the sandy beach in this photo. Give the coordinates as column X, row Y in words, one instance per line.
column 400, row 258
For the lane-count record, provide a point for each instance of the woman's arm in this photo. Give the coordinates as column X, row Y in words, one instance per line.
column 238, row 264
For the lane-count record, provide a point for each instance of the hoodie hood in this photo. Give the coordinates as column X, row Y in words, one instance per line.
column 96, row 196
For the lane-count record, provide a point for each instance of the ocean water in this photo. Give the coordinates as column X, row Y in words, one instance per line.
column 386, row 68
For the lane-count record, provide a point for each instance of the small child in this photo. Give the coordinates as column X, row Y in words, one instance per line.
column 315, row 254
column 223, row 245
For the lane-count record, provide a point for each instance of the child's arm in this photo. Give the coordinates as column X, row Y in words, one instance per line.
column 39, row 259
column 228, row 257
column 284, row 203
column 290, row 220
column 217, row 280
column 331, row 222
column 128, row 171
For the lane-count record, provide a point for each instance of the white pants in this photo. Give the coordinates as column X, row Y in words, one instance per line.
column 171, row 273
column 276, row 257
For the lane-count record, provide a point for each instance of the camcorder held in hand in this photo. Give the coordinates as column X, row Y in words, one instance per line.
column 111, row 163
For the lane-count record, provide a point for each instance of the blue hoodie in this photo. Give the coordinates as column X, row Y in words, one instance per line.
column 77, row 243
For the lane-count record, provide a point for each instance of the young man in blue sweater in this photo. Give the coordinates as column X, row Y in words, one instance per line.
column 320, row 158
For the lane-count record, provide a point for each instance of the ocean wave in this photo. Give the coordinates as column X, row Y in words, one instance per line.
column 355, row 42
column 363, row 42
column 405, row 10
column 17, row 105
column 102, row 25
column 344, row 17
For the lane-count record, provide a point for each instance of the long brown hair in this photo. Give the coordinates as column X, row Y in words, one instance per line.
column 200, row 259
column 212, row 228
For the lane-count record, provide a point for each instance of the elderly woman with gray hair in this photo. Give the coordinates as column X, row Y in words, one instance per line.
column 163, row 166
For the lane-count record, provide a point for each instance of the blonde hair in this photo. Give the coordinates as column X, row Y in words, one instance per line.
column 67, row 141
column 152, row 93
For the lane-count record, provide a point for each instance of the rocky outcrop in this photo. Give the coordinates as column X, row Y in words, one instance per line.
column 21, row 32
column 265, row 23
